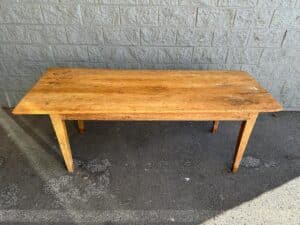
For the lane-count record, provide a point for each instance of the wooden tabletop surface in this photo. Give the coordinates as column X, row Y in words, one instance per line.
column 92, row 91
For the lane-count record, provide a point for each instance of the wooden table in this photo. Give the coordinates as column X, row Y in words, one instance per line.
column 153, row 95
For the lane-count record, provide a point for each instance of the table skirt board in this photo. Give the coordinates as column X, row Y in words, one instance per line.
column 248, row 122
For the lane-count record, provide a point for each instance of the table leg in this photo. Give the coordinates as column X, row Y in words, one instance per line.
column 80, row 126
column 245, row 132
column 215, row 127
column 63, row 140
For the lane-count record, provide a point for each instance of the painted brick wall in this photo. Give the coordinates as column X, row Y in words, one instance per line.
column 259, row 36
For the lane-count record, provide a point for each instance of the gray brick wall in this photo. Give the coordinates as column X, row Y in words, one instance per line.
column 259, row 36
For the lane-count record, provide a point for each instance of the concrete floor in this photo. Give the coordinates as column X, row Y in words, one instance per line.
column 150, row 173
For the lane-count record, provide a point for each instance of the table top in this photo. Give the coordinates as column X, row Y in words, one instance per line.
column 92, row 91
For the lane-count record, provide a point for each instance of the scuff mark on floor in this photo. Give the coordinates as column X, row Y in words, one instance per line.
column 271, row 164
column 250, row 162
column 93, row 166
column 93, row 178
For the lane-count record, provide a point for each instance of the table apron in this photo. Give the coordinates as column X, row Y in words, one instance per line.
column 162, row 116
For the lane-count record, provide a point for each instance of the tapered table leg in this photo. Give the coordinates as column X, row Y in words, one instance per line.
column 80, row 126
column 63, row 140
column 215, row 127
column 245, row 132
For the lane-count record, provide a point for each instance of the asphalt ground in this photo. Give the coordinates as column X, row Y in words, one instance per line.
column 149, row 173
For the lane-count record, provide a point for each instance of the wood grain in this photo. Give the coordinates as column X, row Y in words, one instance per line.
column 145, row 92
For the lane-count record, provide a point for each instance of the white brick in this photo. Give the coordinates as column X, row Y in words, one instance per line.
column 286, row 18
column 191, row 37
column 123, row 54
column 292, row 39
column 244, row 18
column 20, row 13
column 177, row 16
column 276, row 3
column 200, row 3
column 158, row 36
column 236, row 38
column 65, row 53
column 96, row 53
column 2, row 69
column 215, row 18
column 9, row 51
column 51, row 34
column 121, row 2
column 25, row 68
column 84, row 35
column 14, row 33
column 224, row 67
column 139, row 15
column 119, row 55
column 244, row 56
column 262, row 17
column 277, row 57
column 209, row 55
column 34, row 53
column 266, row 38
column 95, row 14
column 17, row 82
column 121, row 36
column 145, row 55
column 238, row 3
column 162, row 2
column 61, row 14
column 175, row 55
